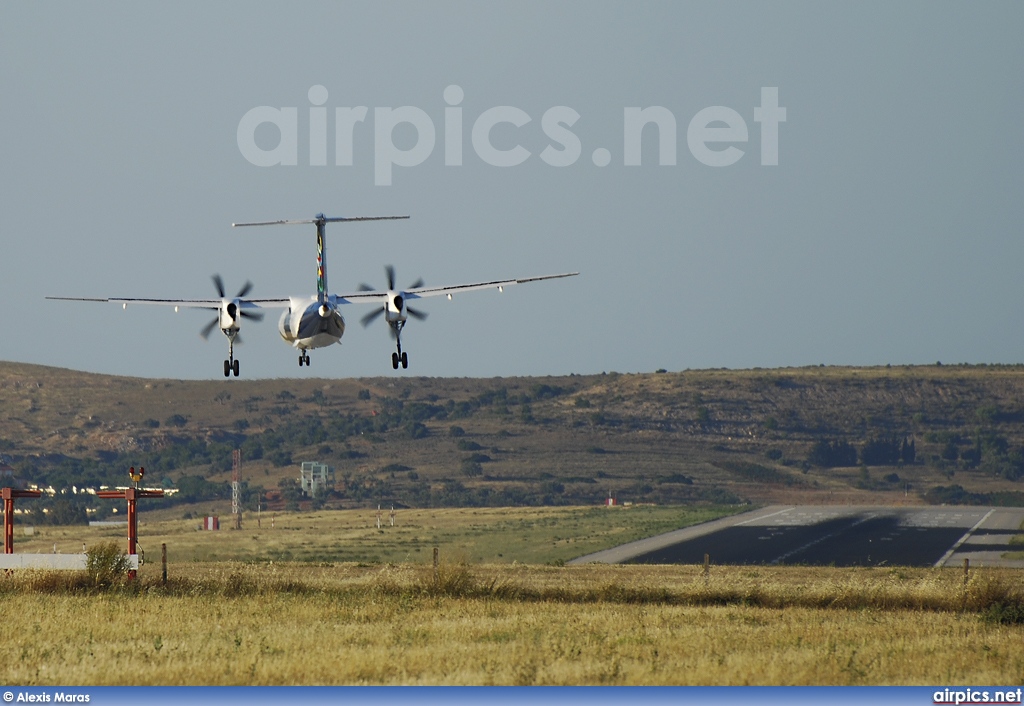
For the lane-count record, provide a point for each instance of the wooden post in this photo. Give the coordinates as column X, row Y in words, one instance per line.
column 707, row 567
column 435, row 566
column 163, row 561
column 967, row 570
column 8, row 522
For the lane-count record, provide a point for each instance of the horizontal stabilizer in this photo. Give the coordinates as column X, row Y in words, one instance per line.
column 308, row 221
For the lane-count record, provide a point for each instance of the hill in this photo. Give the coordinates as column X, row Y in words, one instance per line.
column 817, row 434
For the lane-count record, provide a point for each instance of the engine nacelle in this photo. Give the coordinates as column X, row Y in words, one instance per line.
column 395, row 310
column 229, row 315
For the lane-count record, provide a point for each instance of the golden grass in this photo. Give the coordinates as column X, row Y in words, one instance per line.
column 514, row 624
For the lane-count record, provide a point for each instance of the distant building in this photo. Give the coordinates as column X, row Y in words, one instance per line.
column 316, row 478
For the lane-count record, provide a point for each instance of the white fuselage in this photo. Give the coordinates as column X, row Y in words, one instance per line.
column 308, row 324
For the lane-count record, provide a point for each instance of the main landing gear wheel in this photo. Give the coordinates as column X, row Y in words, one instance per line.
column 231, row 365
column 399, row 356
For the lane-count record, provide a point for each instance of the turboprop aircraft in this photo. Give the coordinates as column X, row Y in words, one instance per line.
column 316, row 321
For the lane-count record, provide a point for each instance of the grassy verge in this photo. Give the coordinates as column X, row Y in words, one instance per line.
column 534, row 535
column 504, row 624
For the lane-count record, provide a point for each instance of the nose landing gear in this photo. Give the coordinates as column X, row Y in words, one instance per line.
column 303, row 358
column 230, row 365
column 400, row 356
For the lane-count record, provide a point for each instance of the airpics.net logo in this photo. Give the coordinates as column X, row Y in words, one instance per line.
column 712, row 134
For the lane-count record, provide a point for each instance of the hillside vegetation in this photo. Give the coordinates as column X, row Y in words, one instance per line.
column 817, row 434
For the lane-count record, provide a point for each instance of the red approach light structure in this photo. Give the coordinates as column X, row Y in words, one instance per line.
column 132, row 495
column 9, row 494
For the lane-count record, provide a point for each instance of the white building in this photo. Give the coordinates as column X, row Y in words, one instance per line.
column 316, row 478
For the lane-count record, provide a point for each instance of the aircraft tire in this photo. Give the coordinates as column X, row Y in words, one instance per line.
column 234, row 368
column 227, row 368
column 405, row 360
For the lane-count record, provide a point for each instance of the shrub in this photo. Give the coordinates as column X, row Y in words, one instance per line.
column 176, row 420
column 830, row 454
column 471, row 468
column 106, row 564
column 881, row 451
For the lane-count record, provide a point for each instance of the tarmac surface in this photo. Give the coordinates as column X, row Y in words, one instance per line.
column 830, row 535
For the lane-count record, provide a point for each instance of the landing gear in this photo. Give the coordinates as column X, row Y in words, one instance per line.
column 231, row 365
column 400, row 356
column 303, row 359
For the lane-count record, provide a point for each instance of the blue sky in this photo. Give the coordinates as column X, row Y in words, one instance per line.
column 888, row 232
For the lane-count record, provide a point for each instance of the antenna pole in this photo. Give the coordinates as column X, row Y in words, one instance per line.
column 236, row 486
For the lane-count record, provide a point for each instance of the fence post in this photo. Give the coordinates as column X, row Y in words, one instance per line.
column 163, row 560
column 707, row 567
column 967, row 570
column 435, row 566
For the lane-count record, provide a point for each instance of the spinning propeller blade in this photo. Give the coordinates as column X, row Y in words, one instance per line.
column 371, row 316
column 208, row 329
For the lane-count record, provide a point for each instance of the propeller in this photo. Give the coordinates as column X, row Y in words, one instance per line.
column 233, row 310
column 399, row 300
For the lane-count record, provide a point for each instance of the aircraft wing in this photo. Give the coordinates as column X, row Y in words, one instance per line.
column 183, row 303
column 421, row 292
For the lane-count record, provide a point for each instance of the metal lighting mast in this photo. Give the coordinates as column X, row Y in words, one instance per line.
column 236, row 486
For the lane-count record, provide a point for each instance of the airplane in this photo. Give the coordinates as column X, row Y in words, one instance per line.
column 316, row 321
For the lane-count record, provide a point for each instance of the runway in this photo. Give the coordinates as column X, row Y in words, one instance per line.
column 835, row 536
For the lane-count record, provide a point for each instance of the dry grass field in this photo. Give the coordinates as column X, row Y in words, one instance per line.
column 514, row 624
column 327, row 597
column 499, row 609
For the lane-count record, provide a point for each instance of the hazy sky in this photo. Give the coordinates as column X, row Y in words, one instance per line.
column 890, row 231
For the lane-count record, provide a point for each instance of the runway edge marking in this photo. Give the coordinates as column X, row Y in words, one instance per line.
column 625, row 552
column 945, row 557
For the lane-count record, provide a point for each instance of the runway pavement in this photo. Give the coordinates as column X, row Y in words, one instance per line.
column 830, row 535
